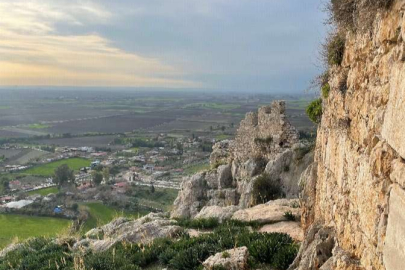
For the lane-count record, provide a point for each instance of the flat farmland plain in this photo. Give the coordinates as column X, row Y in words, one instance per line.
column 28, row 113
column 113, row 124
column 90, row 141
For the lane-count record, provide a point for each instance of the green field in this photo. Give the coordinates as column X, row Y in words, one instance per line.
column 44, row 191
column 49, row 168
column 197, row 168
column 38, row 126
column 23, row 227
column 213, row 106
column 101, row 214
column 300, row 104
column 221, row 137
column 162, row 198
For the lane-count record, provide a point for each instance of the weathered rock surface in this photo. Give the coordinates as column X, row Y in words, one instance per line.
column 359, row 153
column 265, row 142
column 316, row 249
column 232, row 259
column 220, row 213
column 292, row 228
column 143, row 230
column 394, row 248
column 271, row 212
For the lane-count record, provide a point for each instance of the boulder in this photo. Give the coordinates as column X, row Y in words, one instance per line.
column 316, row 249
column 143, row 230
column 221, row 152
column 224, row 176
column 271, row 212
column 232, row 259
column 291, row 228
column 188, row 203
column 221, row 213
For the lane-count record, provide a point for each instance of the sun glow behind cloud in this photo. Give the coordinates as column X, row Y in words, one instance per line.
column 33, row 52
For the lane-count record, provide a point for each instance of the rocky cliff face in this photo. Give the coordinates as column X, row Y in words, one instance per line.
column 354, row 194
column 265, row 143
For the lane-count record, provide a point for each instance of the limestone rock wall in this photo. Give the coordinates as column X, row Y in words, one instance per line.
column 356, row 185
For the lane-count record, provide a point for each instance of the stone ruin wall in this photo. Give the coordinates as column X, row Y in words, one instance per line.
column 236, row 164
column 264, row 134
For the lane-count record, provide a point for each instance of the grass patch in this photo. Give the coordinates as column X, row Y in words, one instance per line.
column 162, row 198
column 23, row 227
column 222, row 137
column 213, row 106
column 213, row 223
column 101, row 214
column 44, row 191
column 49, row 168
column 38, row 126
column 298, row 104
column 197, row 168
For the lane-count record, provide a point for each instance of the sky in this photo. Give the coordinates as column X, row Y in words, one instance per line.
column 245, row 45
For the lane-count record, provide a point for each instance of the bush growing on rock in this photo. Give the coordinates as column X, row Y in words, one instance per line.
column 325, row 90
column 266, row 189
column 289, row 216
column 356, row 14
column 335, row 48
column 314, row 111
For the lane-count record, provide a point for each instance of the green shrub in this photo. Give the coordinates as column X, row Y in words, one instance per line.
column 202, row 224
column 38, row 253
column 289, row 216
column 335, row 49
column 325, row 90
column 284, row 256
column 185, row 253
column 314, row 110
column 225, row 254
column 219, row 267
column 265, row 189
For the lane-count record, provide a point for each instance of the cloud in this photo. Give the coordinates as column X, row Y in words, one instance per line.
column 33, row 52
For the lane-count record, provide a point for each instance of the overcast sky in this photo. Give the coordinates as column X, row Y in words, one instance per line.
column 247, row 45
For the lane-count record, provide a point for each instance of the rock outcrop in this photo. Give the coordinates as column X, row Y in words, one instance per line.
column 232, row 259
column 265, row 143
column 355, row 189
column 270, row 212
column 143, row 230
